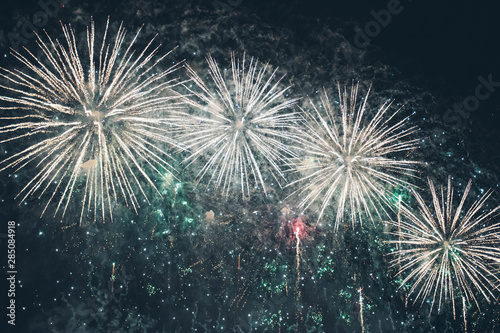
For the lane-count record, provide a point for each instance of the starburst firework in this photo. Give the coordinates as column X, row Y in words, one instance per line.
column 95, row 133
column 442, row 252
column 349, row 158
column 238, row 124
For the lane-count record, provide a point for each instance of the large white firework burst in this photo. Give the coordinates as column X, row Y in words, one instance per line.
column 350, row 158
column 237, row 128
column 94, row 127
column 445, row 252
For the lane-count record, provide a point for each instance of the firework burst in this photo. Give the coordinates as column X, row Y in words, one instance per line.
column 96, row 126
column 238, row 125
column 349, row 158
column 444, row 253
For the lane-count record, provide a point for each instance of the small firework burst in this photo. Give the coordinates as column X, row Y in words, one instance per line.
column 95, row 126
column 445, row 254
column 350, row 158
column 238, row 126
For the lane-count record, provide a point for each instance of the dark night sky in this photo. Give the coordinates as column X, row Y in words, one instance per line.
column 440, row 46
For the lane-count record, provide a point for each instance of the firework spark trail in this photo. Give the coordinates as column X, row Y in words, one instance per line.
column 105, row 127
column 297, row 260
column 464, row 314
column 113, row 278
column 241, row 122
column 297, row 255
column 351, row 158
column 361, row 310
column 444, row 251
column 399, row 230
column 297, row 284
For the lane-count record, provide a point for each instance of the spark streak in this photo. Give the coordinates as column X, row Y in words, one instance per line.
column 361, row 310
column 113, row 278
column 297, row 284
column 464, row 313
